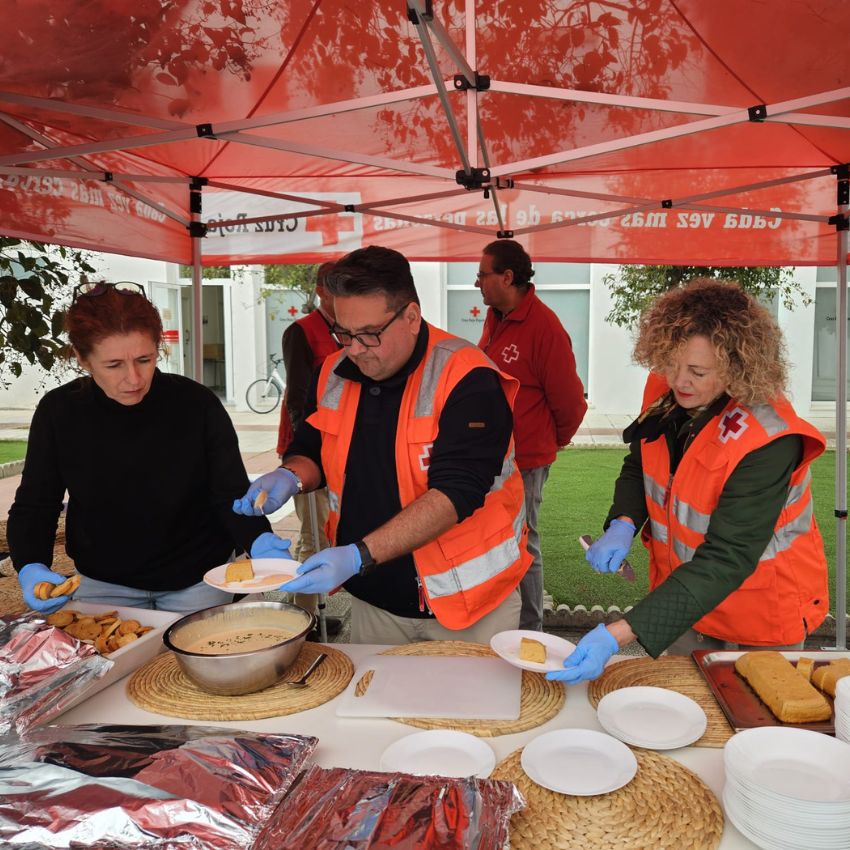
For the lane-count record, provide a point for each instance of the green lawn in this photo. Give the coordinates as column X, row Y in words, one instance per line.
column 12, row 450
column 576, row 501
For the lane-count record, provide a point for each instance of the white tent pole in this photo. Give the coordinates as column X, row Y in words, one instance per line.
column 195, row 201
column 841, row 422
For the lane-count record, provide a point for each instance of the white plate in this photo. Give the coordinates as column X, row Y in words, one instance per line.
column 439, row 752
column 582, row 762
column 654, row 718
column 506, row 645
column 269, row 574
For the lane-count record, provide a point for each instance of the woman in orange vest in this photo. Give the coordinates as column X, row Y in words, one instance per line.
column 717, row 481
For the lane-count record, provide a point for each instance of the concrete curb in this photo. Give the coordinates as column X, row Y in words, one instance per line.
column 579, row 617
column 15, row 467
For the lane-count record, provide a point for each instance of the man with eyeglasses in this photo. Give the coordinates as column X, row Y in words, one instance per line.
column 526, row 339
column 410, row 427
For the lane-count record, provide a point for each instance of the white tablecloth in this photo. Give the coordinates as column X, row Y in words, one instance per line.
column 358, row 743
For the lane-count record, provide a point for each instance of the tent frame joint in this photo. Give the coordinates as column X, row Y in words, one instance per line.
column 475, row 178
column 197, row 229
column 840, row 222
column 349, row 208
column 667, row 204
column 205, row 131
column 416, row 17
column 482, row 82
column 504, row 234
column 758, row 113
column 841, row 514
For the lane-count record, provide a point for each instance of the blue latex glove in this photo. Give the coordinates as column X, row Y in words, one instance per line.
column 280, row 484
column 588, row 659
column 29, row 577
column 607, row 553
column 326, row 570
column 269, row 545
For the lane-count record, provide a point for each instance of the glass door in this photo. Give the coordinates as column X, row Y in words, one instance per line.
column 166, row 299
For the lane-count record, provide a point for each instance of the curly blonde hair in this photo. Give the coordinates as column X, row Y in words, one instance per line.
column 747, row 343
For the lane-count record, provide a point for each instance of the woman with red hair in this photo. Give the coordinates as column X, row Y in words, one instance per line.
column 150, row 463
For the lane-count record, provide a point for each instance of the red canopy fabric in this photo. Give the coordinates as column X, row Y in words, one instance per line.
column 633, row 131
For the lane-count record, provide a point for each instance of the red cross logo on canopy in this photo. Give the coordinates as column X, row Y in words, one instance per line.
column 330, row 226
column 510, row 353
column 733, row 424
column 292, row 311
column 475, row 311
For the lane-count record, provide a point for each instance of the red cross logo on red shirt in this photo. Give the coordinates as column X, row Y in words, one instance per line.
column 510, row 353
column 475, row 311
column 330, row 226
column 292, row 311
column 733, row 424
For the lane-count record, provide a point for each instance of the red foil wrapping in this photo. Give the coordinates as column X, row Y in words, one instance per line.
column 157, row 787
column 355, row 810
column 42, row 670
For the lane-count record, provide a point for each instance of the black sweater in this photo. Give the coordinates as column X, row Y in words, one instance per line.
column 150, row 486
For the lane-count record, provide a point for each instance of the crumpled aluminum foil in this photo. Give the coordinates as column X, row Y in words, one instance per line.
column 342, row 809
column 162, row 787
column 42, row 670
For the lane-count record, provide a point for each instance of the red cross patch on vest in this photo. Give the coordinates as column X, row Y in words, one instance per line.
column 733, row 424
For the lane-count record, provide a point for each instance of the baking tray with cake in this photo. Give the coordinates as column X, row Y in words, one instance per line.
column 740, row 703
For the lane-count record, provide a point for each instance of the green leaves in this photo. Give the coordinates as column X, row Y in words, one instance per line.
column 35, row 284
column 633, row 288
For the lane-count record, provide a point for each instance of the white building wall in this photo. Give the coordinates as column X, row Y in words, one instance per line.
column 248, row 345
column 798, row 326
column 615, row 383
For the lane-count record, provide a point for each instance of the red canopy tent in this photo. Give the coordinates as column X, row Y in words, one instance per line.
column 232, row 131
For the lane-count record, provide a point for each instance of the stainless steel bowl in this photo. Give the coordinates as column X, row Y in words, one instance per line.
column 238, row 672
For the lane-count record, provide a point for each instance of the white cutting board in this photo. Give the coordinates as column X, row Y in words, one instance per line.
column 434, row 686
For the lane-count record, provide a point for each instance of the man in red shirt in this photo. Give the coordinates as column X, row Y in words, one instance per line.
column 526, row 339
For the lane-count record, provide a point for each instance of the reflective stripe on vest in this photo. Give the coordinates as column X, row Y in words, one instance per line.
column 480, row 569
column 432, row 371
column 783, row 537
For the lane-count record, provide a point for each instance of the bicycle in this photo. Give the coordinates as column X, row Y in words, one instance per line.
column 264, row 394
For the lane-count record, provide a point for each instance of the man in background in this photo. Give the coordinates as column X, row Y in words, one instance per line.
column 305, row 344
column 525, row 338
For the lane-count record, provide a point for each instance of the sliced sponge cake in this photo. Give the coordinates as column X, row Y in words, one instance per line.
column 781, row 688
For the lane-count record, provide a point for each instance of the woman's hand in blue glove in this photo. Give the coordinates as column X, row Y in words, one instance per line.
column 326, row 570
column 588, row 659
column 607, row 553
column 269, row 545
column 33, row 574
column 280, row 486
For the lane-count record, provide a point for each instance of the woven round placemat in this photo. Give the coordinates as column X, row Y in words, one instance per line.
column 540, row 699
column 674, row 672
column 11, row 599
column 664, row 806
column 160, row 686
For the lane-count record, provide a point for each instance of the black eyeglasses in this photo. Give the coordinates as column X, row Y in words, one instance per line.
column 372, row 339
column 92, row 288
column 479, row 275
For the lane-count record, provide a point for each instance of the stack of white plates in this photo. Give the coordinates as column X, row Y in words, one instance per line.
column 788, row 788
column 842, row 709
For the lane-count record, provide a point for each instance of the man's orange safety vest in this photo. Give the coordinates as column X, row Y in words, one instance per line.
column 787, row 595
column 469, row 570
